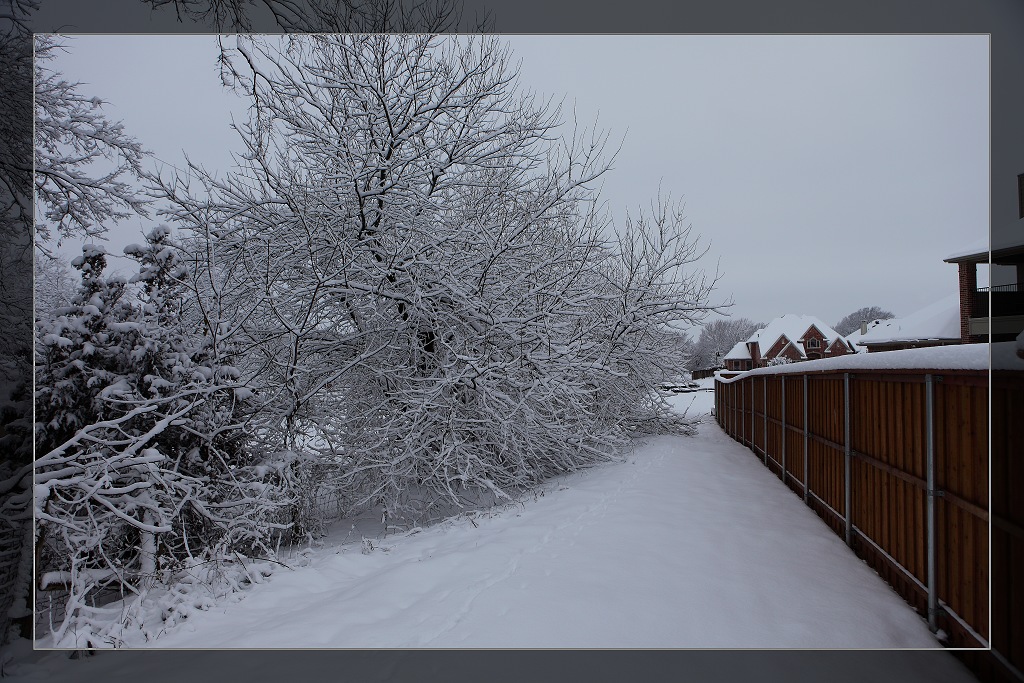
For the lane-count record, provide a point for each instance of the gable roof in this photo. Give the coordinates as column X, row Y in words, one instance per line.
column 795, row 346
column 793, row 327
column 738, row 352
column 939, row 321
column 841, row 340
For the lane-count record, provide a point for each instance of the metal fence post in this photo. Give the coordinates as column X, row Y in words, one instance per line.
column 732, row 408
column 764, row 416
column 783, row 416
column 807, row 474
column 847, row 469
column 743, row 414
column 929, row 402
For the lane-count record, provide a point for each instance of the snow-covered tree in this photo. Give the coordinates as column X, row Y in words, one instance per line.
column 16, row 319
column 656, row 282
column 61, row 134
column 54, row 285
column 83, row 160
column 851, row 323
column 142, row 467
column 718, row 337
column 421, row 277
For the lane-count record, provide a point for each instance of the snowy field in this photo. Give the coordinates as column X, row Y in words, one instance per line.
column 688, row 543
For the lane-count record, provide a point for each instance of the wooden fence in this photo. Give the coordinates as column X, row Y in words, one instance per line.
column 1007, row 462
column 896, row 463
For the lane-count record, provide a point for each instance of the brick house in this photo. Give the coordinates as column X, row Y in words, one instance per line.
column 738, row 358
column 791, row 337
column 1005, row 293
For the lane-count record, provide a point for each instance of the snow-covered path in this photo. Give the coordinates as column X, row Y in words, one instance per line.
column 690, row 543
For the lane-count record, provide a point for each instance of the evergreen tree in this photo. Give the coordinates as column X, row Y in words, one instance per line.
column 142, row 468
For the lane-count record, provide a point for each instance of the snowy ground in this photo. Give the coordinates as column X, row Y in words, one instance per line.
column 689, row 543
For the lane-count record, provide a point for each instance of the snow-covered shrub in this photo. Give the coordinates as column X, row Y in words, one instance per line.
column 142, row 463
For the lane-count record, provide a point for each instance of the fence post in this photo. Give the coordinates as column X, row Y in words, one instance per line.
column 732, row 408
column 743, row 414
column 783, row 416
column 764, row 416
column 847, row 468
column 807, row 474
column 929, row 403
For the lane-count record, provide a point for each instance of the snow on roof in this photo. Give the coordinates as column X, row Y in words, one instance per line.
column 956, row 357
column 974, row 249
column 793, row 327
column 796, row 347
column 839, row 340
column 855, row 336
column 940, row 320
column 738, row 352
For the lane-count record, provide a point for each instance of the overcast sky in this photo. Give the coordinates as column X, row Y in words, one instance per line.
column 826, row 172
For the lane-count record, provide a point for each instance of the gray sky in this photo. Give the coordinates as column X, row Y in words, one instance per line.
column 827, row 172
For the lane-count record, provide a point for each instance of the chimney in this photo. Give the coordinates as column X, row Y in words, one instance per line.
column 863, row 327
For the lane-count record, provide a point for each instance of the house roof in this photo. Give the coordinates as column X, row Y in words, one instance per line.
column 795, row 346
column 939, row 321
column 854, row 337
column 791, row 326
column 974, row 252
column 840, row 340
column 738, row 352
column 980, row 254
column 958, row 357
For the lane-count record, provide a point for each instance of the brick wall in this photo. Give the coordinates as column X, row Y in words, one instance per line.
column 968, row 286
column 838, row 348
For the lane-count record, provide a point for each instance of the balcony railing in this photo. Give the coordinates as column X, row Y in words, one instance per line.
column 1006, row 300
column 1013, row 287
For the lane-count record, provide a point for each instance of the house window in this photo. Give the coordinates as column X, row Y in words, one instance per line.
column 813, row 343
